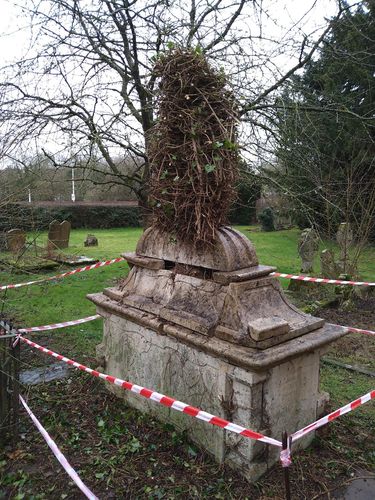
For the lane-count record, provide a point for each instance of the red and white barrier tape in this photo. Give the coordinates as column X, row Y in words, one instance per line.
column 160, row 398
column 322, row 280
column 120, row 259
column 63, row 275
column 54, row 326
column 332, row 416
column 360, row 330
column 60, row 457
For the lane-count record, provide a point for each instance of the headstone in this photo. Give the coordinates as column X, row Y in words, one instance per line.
column 58, row 234
column 91, row 241
column 308, row 247
column 344, row 237
column 16, row 239
column 328, row 265
column 65, row 233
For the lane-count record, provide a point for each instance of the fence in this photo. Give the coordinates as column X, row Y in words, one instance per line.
column 11, row 339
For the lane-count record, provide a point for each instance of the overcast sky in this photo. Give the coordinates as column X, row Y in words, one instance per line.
column 309, row 14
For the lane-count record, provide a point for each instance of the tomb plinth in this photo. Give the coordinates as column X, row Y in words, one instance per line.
column 212, row 328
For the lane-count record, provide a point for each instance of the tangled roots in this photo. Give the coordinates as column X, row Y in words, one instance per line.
column 192, row 149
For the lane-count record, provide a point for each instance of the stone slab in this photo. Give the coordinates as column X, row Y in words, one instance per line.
column 147, row 262
column 226, row 277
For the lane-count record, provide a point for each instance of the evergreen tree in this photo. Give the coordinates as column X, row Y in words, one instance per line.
column 326, row 120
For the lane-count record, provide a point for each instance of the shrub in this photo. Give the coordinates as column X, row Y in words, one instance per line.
column 267, row 219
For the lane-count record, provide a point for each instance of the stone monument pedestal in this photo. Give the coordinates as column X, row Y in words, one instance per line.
column 220, row 336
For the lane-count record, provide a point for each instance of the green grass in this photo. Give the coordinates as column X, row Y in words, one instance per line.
column 63, row 300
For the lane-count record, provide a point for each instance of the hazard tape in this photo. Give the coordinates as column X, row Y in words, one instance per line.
column 360, row 330
column 54, row 326
column 161, row 398
column 322, row 280
column 332, row 416
column 120, row 259
column 60, row 457
column 63, row 275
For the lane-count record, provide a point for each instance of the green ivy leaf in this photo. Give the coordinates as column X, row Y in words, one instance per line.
column 209, row 167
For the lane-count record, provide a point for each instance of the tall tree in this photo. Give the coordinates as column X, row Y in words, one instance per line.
column 326, row 120
column 87, row 82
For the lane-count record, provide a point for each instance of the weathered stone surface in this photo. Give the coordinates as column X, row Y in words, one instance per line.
column 65, row 233
column 308, row 247
column 212, row 308
column 58, row 234
column 265, row 328
column 147, row 262
column 16, row 239
column 344, row 237
column 226, row 340
column 268, row 401
column 328, row 266
column 91, row 241
column 246, row 357
column 226, row 277
column 232, row 251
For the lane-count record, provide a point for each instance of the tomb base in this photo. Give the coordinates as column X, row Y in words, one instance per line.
column 215, row 331
column 270, row 399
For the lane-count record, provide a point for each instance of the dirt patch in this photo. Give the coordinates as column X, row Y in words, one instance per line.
column 356, row 347
column 121, row 453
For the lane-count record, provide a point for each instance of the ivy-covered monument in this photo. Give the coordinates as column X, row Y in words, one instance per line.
column 198, row 318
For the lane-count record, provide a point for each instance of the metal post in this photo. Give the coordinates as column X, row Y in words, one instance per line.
column 9, row 383
column 286, row 468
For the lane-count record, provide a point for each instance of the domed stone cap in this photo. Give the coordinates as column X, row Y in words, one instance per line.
column 231, row 251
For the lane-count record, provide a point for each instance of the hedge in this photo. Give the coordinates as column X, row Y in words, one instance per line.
column 30, row 218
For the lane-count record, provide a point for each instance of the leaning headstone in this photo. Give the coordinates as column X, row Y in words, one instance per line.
column 308, row 247
column 16, row 239
column 344, row 237
column 91, row 241
column 58, row 234
column 65, row 228
column 328, row 265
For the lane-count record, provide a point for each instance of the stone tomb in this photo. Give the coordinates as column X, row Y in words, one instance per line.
column 58, row 234
column 214, row 330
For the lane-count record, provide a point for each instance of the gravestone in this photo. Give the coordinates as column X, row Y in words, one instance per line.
column 16, row 239
column 65, row 233
column 344, row 238
column 58, row 234
column 308, row 247
column 328, row 265
column 91, row 241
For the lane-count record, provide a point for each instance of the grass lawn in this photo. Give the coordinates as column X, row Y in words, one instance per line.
column 349, row 440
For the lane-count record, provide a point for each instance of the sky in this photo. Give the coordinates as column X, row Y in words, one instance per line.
column 279, row 19
column 14, row 31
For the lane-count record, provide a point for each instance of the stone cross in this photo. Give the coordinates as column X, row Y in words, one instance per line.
column 16, row 239
column 308, row 247
column 58, row 234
